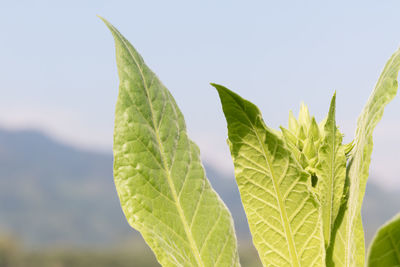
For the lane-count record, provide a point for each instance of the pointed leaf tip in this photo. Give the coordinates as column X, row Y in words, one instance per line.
column 162, row 187
column 103, row 19
column 350, row 232
column 268, row 177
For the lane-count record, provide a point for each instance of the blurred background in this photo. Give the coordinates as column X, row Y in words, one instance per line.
column 58, row 87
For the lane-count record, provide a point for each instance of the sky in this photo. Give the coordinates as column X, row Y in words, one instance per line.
column 58, row 71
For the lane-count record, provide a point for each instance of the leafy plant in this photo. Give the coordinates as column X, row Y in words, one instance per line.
column 301, row 187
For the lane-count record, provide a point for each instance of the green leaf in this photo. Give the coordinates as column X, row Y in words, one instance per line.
column 385, row 248
column 314, row 129
column 304, row 115
column 348, row 247
column 331, row 172
column 160, row 180
column 283, row 214
column 293, row 124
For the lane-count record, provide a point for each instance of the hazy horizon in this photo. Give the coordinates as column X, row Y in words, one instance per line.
column 59, row 71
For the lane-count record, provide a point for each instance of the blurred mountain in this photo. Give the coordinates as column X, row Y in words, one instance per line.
column 52, row 194
column 379, row 206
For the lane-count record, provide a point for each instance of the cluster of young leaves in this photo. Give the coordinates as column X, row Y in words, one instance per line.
column 301, row 187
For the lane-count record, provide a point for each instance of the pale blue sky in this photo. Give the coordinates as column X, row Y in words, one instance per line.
column 59, row 74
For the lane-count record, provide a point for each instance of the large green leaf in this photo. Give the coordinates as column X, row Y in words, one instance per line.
column 283, row 215
column 347, row 249
column 160, row 180
column 331, row 172
column 385, row 248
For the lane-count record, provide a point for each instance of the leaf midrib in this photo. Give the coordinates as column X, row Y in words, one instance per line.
column 284, row 217
column 330, row 196
column 169, row 178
